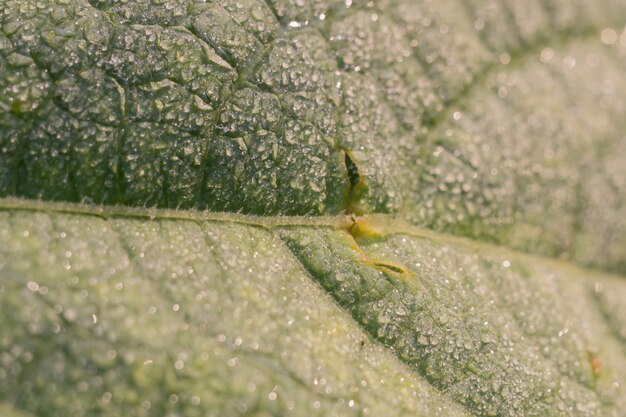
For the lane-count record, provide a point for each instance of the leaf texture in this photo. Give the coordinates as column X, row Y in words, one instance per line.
column 319, row 156
column 494, row 121
column 139, row 312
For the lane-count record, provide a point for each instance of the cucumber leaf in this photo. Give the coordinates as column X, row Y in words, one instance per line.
column 332, row 208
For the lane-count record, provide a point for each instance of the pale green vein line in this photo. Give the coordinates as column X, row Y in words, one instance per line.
column 384, row 225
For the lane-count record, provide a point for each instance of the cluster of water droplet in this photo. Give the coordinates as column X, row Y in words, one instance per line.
column 182, row 317
column 457, row 114
column 475, row 324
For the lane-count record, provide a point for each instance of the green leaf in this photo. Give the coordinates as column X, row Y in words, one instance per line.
column 306, row 167
column 118, row 311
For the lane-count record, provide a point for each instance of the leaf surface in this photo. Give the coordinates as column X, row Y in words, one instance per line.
column 264, row 124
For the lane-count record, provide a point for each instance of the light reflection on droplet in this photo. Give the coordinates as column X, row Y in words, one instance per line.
column 608, row 36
